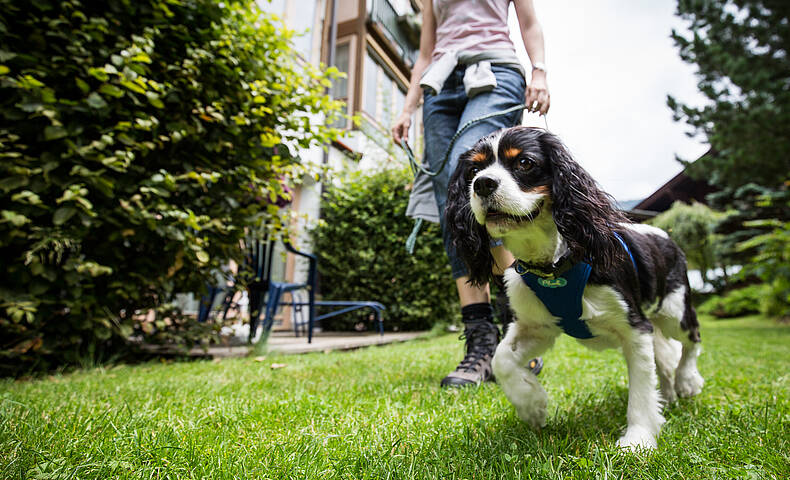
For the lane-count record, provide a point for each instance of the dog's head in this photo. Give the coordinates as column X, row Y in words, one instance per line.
column 520, row 179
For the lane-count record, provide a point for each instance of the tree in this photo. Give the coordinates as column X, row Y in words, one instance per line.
column 138, row 141
column 740, row 48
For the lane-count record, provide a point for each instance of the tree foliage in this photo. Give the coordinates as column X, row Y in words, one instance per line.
column 740, row 48
column 362, row 255
column 691, row 227
column 746, row 206
column 138, row 140
column 772, row 261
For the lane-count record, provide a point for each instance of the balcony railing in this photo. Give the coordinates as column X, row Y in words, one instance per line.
column 401, row 31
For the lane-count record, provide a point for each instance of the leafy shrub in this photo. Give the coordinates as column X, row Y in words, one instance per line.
column 138, row 139
column 772, row 262
column 743, row 301
column 691, row 227
column 362, row 255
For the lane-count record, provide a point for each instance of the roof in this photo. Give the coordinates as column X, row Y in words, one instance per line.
column 680, row 187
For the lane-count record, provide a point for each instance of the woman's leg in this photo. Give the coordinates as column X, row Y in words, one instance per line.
column 480, row 332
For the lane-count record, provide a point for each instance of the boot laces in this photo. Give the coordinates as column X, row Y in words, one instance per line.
column 480, row 341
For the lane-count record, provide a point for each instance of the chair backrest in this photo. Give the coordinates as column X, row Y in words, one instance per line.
column 312, row 268
column 259, row 258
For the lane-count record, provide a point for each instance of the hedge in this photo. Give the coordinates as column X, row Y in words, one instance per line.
column 362, row 256
column 138, row 140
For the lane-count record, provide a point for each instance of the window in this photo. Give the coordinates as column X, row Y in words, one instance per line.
column 383, row 98
column 371, row 73
column 297, row 15
column 339, row 89
column 340, row 85
column 301, row 18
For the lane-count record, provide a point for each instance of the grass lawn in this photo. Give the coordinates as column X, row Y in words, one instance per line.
column 378, row 413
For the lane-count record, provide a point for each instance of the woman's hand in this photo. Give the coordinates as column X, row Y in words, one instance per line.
column 400, row 129
column 537, row 94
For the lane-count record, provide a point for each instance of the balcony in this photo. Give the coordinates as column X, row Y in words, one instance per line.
column 402, row 31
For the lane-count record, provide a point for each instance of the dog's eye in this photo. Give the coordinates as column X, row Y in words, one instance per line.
column 526, row 163
column 472, row 172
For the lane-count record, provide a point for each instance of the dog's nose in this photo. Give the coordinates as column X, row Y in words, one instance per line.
column 485, row 186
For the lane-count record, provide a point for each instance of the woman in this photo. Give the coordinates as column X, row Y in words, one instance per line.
column 468, row 67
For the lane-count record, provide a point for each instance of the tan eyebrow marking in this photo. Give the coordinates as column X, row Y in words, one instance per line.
column 539, row 190
column 478, row 157
column 512, row 152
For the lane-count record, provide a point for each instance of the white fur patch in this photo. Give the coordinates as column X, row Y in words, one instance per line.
column 645, row 229
column 670, row 313
column 643, row 414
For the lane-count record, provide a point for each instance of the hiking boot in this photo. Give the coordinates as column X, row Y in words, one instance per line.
column 481, row 337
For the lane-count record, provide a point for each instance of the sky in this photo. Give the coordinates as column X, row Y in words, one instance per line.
column 611, row 64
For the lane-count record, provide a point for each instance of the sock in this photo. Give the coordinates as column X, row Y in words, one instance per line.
column 476, row 312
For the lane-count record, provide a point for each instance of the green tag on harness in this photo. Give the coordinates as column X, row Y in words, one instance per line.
column 552, row 282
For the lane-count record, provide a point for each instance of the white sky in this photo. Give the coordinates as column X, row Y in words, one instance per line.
column 611, row 65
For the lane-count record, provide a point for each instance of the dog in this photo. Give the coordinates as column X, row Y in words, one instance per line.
column 576, row 256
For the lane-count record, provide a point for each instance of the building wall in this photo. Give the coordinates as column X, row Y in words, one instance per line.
column 374, row 89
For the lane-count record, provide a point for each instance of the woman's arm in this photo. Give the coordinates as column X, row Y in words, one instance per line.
column 537, row 94
column 400, row 130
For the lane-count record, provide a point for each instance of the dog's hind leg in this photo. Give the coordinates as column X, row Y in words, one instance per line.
column 677, row 319
column 667, row 352
column 688, row 381
column 520, row 385
column 644, row 416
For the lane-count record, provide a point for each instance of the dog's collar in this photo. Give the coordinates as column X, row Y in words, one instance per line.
column 562, row 265
column 544, row 270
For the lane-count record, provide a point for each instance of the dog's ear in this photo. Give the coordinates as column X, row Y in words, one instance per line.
column 585, row 215
column 470, row 239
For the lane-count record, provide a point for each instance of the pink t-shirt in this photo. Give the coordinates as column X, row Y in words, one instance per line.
column 471, row 25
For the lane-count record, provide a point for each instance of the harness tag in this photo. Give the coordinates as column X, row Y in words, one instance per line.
column 552, row 282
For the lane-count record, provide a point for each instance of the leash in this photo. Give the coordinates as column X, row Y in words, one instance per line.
column 417, row 168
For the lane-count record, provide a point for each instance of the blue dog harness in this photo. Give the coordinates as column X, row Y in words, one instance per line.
column 562, row 292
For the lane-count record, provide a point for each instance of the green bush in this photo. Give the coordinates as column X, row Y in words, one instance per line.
column 736, row 303
column 362, row 256
column 772, row 262
column 138, row 139
column 691, row 227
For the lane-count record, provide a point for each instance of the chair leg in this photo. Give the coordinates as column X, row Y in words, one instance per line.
column 227, row 302
column 254, row 310
column 296, row 312
column 271, row 307
column 310, row 314
column 206, row 302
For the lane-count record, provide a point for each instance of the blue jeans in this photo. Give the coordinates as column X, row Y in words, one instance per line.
column 447, row 111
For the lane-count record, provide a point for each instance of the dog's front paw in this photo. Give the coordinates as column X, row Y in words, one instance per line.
column 636, row 438
column 533, row 414
column 688, row 384
column 668, row 395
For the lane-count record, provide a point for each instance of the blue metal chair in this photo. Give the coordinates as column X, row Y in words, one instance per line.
column 276, row 291
column 258, row 260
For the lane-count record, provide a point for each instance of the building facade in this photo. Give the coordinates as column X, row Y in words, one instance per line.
column 375, row 44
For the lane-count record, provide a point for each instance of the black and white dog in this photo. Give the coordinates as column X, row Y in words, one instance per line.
column 577, row 256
